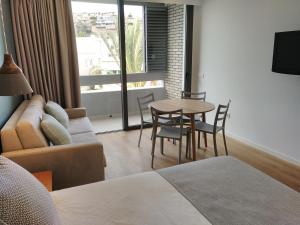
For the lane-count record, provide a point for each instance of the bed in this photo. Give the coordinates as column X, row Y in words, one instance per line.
column 221, row 190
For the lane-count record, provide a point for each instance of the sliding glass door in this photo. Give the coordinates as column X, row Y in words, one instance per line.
column 118, row 59
column 145, row 52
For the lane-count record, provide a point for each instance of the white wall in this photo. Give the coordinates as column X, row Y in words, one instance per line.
column 235, row 38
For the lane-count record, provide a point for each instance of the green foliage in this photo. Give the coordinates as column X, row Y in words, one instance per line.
column 93, row 20
column 82, row 30
column 110, row 38
column 134, row 45
column 134, row 42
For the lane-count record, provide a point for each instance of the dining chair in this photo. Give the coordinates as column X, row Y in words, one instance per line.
column 143, row 103
column 201, row 96
column 220, row 117
column 173, row 129
column 193, row 95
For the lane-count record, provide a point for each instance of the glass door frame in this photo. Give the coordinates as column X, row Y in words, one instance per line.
column 123, row 75
column 189, row 17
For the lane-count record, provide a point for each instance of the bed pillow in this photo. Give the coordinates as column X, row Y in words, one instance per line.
column 56, row 133
column 57, row 112
column 24, row 200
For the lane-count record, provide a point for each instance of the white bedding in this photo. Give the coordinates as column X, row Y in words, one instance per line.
column 142, row 199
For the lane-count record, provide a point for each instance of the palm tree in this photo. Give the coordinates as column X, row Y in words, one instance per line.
column 134, row 47
column 133, row 42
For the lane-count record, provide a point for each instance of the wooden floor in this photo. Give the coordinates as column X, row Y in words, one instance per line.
column 125, row 158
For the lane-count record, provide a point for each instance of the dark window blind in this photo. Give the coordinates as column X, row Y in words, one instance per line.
column 156, row 37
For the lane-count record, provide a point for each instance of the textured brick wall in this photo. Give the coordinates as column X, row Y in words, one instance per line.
column 173, row 81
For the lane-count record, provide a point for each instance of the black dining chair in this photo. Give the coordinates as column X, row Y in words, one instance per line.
column 201, row 96
column 172, row 129
column 220, row 117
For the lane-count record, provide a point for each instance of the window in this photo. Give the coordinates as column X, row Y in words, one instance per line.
column 97, row 38
column 96, row 28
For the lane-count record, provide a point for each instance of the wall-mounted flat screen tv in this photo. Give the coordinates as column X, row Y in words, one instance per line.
column 286, row 55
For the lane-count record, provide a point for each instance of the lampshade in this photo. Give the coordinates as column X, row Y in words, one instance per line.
column 12, row 79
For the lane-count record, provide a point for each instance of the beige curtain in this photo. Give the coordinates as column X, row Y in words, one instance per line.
column 46, row 48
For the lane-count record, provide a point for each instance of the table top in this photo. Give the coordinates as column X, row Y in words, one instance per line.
column 188, row 106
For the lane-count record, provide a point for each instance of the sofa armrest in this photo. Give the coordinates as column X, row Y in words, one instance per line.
column 74, row 113
column 71, row 165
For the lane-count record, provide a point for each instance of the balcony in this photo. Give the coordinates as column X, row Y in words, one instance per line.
column 104, row 106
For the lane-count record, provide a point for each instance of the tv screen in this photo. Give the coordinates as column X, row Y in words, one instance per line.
column 286, row 55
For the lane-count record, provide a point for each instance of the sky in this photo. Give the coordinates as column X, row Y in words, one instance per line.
column 81, row 7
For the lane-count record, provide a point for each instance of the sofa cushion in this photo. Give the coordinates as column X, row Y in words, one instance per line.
column 24, row 200
column 80, row 125
column 9, row 137
column 84, row 138
column 58, row 113
column 28, row 127
column 54, row 131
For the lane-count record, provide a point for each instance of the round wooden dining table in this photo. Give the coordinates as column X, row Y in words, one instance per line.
column 190, row 108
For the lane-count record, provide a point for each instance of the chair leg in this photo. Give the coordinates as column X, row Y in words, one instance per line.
column 198, row 139
column 215, row 144
column 205, row 139
column 187, row 146
column 162, row 145
column 153, row 149
column 141, row 131
column 179, row 153
column 204, row 134
column 151, row 135
column 224, row 138
column 190, row 146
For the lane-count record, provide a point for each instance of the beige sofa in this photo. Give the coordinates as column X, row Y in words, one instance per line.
column 81, row 162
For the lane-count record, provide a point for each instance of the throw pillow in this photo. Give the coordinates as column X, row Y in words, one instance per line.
column 54, row 131
column 57, row 112
column 24, row 200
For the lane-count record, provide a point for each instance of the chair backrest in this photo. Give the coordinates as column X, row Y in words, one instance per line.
column 167, row 118
column 143, row 103
column 194, row 95
column 221, row 115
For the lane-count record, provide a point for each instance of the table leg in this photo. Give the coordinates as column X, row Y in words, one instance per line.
column 204, row 134
column 193, row 130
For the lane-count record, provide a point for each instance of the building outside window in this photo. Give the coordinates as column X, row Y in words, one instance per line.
column 97, row 38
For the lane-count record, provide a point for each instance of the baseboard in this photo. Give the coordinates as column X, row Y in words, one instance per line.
column 263, row 149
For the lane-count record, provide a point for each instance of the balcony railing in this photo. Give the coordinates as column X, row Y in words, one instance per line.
column 108, row 102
